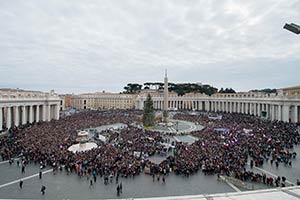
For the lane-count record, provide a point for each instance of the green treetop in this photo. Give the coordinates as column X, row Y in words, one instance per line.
column 148, row 117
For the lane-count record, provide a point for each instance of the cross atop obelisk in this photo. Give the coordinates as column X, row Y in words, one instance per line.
column 166, row 98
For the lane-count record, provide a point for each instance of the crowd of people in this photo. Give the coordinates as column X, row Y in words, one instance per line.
column 228, row 144
column 224, row 147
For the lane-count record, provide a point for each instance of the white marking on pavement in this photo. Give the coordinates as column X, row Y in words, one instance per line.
column 25, row 178
column 172, row 129
column 193, row 138
column 230, row 184
column 177, row 140
column 6, row 161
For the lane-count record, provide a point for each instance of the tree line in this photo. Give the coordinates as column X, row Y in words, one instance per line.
column 180, row 88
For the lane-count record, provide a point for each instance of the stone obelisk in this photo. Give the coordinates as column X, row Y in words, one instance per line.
column 166, row 99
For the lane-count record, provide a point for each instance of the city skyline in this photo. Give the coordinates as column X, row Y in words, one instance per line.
column 104, row 45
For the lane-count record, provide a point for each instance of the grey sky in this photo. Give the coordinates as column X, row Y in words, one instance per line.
column 84, row 46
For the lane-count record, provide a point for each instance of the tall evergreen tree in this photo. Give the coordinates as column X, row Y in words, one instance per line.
column 148, row 117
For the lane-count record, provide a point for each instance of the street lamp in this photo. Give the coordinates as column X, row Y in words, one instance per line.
column 292, row 27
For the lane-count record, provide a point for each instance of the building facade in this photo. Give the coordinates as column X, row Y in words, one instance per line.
column 103, row 101
column 282, row 106
column 19, row 107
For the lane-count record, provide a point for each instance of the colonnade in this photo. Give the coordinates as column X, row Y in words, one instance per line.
column 282, row 111
column 14, row 114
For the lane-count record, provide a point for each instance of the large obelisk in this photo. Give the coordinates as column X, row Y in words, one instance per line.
column 166, row 99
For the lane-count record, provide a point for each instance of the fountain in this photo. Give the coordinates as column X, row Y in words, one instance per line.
column 83, row 144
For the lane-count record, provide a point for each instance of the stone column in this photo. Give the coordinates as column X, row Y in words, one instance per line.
column 243, row 108
column 247, row 108
column 1, row 118
column 295, row 113
column 227, row 107
column 259, row 108
column 269, row 111
column 251, row 108
column 239, row 107
column 37, row 113
column 48, row 112
column 285, row 113
column 24, row 120
column 279, row 113
column 16, row 116
column 30, row 114
column 8, row 118
column 44, row 112
column 272, row 112
column 57, row 112
column 215, row 106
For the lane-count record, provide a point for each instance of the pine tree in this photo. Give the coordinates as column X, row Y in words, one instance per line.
column 148, row 117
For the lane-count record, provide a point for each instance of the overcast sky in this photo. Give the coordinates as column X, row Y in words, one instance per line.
column 95, row 45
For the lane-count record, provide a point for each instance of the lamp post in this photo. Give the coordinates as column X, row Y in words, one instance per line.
column 292, row 27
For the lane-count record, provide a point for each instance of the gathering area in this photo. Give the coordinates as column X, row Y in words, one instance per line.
column 231, row 153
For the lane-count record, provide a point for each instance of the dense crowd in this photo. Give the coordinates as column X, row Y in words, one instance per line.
column 224, row 147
